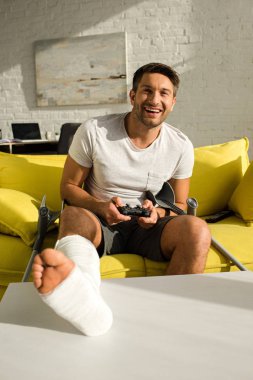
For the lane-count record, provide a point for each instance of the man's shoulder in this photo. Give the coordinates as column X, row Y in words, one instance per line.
column 92, row 126
column 104, row 120
column 175, row 133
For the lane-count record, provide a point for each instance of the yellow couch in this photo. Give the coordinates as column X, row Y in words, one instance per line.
column 222, row 178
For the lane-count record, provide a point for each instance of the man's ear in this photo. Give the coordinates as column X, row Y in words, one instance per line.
column 132, row 96
column 173, row 103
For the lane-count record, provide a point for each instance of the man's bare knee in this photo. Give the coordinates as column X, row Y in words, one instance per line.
column 186, row 232
column 186, row 241
column 198, row 232
column 78, row 221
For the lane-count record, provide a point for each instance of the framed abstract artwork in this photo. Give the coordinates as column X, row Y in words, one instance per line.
column 81, row 70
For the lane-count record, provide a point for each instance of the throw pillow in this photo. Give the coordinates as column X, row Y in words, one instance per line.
column 241, row 201
column 218, row 169
column 19, row 215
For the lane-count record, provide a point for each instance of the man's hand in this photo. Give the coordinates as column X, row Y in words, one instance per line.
column 109, row 212
column 148, row 222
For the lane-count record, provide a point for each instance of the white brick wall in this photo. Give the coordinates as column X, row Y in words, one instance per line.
column 210, row 43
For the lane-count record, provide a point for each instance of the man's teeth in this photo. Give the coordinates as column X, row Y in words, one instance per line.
column 152, row 110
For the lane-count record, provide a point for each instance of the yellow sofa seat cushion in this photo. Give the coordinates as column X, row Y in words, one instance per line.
column 122, row 265
column 15, row 255
column 34, row 175
column 218, row 169
column 241, row 200
column 237, row 237
column 240, row 246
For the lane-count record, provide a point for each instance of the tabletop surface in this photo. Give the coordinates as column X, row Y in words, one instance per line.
column 177, row 327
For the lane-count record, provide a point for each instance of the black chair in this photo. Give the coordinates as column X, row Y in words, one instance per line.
column 66, row 136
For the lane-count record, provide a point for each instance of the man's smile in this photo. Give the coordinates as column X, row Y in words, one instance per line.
column 152, row 110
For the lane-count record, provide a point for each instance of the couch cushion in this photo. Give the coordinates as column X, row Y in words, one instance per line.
column 34, row 175
column 122, row 265
column 218, row 169
column 241, row 200
column 19, row 215
column 234, row 234
column 15, row 255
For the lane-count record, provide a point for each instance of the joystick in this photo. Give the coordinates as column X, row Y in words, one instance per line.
column 133, row 211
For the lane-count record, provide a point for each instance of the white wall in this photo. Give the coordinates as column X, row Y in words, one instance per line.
column 210, row 43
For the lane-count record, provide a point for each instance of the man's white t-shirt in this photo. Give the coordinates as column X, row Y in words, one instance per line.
column 119, row 168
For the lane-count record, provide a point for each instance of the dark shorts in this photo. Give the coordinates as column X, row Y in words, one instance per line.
column 129, row 237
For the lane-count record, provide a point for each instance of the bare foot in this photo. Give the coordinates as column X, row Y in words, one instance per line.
column 49, row 269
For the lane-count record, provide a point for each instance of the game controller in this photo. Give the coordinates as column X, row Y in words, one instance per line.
column 134, row 211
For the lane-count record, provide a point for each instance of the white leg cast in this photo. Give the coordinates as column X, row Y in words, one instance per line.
column 76, row 300
column 83, row 253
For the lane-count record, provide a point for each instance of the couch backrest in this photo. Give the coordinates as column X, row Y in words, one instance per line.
column 217, row 172
column 34, row 175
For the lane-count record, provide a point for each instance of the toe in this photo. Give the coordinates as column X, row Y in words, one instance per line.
column 50, row 269
column 37, row 260
column 52, row 257
column 37, row 280
column 37, row 268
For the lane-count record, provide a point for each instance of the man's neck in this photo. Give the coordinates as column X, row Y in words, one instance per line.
column 139, row 134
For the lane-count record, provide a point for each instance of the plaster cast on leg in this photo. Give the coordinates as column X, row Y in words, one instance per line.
column 78, row 301
column 77, row 298
column 83, row 253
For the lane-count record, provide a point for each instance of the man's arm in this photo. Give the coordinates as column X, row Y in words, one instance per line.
column 73, row 178
column 181, row 189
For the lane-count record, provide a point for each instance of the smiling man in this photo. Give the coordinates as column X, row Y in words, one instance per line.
column 114, row 160
column 153, row 97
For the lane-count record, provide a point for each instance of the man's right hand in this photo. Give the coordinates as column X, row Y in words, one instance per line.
column 109, row 211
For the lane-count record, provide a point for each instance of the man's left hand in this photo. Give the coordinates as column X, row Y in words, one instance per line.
column 150, row 221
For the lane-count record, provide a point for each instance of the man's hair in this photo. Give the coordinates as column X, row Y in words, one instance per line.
column 159, row 68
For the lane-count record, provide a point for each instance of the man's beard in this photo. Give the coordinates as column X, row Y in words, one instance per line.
column 148, row 122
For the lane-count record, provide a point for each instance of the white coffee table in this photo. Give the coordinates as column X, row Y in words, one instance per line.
column 179, row 327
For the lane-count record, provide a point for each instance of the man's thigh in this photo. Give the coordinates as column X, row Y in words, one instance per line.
column 147, row 242
column 129, row 237
column 115, row 237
